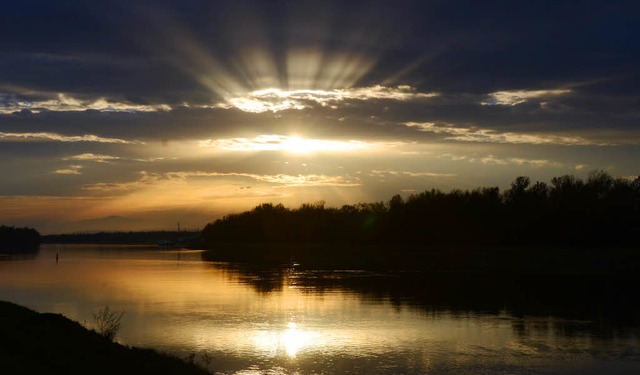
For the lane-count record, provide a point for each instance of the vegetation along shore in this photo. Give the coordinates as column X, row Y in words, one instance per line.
column 35, row 343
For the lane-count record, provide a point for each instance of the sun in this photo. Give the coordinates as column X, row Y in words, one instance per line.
column 298, row 145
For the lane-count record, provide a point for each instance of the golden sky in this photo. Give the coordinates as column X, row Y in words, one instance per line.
column 128, row 117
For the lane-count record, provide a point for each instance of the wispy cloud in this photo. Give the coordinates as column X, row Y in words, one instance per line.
column 149, row 159
column 92, row 157
column 64, row 102
column 292, row 144
column 55, row 137
column 98, row 158
column 492, row 136
column 493, row 160
column 72, row 169
column 146, row 179
column 299, row 180
column 385, row 173
column 275, row 100
column 282, row 179
column 515, row 97
column 535, row 163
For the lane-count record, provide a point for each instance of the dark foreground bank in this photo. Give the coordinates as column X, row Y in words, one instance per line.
column 34, row 343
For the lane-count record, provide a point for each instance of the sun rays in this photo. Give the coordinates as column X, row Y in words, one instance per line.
column 263, row 55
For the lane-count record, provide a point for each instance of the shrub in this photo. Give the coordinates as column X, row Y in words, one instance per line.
column 107, row 322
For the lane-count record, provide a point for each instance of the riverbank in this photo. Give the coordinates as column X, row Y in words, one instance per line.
column 35, row 343
column 540, row 261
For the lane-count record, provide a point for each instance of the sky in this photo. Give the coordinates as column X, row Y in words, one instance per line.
column 137, row 115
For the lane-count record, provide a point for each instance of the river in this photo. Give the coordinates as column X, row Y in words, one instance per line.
column 238, row 320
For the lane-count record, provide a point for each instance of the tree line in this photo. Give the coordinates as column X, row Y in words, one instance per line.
column 18, row 240
column 599, row 211
column 145, row 237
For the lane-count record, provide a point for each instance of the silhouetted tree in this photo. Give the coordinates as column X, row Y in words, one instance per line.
column 517, row 193
column 17, row 240
column 602, row 210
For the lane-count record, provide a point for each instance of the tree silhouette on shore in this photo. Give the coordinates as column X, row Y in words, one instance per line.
column 600, row 211
column 14, row 239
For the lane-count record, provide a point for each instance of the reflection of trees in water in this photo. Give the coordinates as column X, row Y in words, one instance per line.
column 545, row 326
column 262, row 280
column 567, row 305
column 567, row 249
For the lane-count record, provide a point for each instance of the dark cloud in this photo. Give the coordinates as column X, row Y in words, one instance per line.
column 124, row 50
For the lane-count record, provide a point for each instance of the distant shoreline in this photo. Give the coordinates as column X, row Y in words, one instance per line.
column 185, row 238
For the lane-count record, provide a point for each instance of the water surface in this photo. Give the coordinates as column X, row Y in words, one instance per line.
column 237, row 319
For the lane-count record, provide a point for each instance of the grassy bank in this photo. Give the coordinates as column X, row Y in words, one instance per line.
column 34, row 343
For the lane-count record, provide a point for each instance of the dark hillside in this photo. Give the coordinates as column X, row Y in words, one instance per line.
column 33, row 343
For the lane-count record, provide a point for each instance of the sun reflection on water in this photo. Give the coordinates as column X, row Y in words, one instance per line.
column 289, row 341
